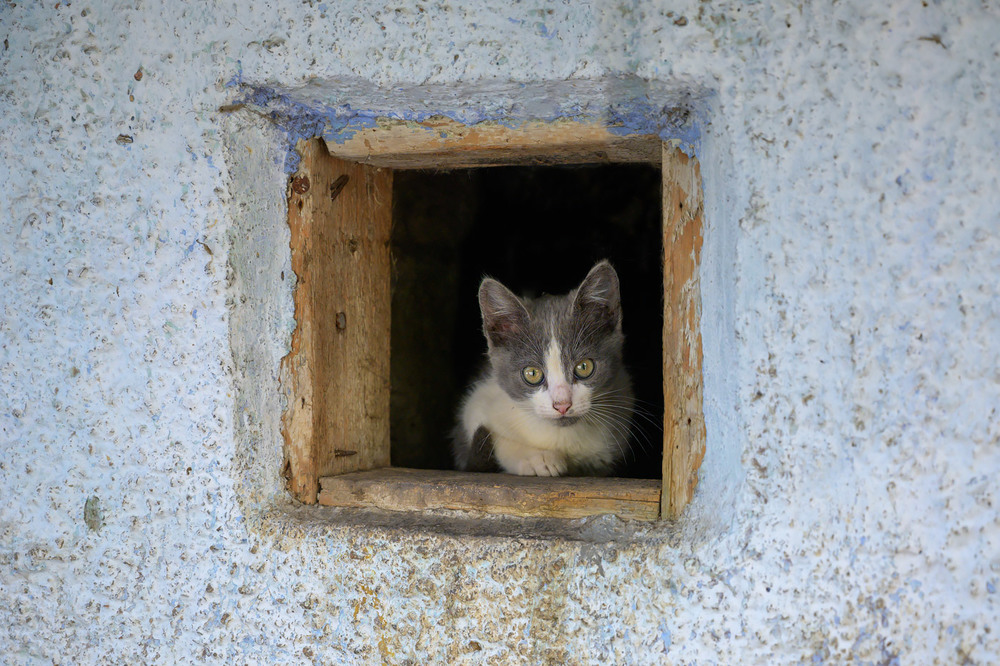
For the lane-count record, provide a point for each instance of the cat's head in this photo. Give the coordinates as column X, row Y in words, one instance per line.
column 556, row 354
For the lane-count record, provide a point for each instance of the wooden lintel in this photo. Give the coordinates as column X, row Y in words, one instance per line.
column 399, row 489
column 442, row 143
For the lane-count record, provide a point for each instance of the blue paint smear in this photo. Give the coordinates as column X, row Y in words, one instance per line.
column 237, row 79
column 545, row 31
column 634, row 113
column 641, row 116
column 665, row 638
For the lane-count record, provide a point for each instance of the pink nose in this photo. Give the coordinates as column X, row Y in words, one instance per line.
column 562, row 407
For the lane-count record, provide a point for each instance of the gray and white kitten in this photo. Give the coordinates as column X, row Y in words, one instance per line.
column 556, row 397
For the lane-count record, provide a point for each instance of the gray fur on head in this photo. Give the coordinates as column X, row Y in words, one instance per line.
column 585, row 322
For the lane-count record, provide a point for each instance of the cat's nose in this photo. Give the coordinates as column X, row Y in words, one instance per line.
column 562, row 407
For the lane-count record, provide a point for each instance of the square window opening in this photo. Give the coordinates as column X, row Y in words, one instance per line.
column 537, row 229
column 388, row 252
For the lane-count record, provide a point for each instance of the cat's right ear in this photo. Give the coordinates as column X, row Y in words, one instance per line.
column 504, row 316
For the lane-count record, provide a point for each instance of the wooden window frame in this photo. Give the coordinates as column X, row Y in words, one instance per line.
column 336, row 377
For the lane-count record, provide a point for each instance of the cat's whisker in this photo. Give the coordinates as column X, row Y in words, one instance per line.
column 641, row 416
column 645, row 404
column 621, row 426
column 612, row 417
column 618, row 396
column 644, row 419
column 625, row 393
column 615, row 431
column 620, row 435
column 596, row 419
column 635, row 434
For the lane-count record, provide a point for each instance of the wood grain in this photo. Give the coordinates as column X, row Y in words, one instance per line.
column 400, row 489
column 683, row 417
column 442, row 143
column 336, row 377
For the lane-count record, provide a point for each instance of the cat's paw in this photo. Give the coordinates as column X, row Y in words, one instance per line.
column 542, row 463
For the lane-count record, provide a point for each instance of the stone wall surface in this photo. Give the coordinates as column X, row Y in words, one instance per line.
column 851, row 320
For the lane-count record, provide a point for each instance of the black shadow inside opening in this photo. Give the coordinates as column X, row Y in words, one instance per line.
column 538, row 230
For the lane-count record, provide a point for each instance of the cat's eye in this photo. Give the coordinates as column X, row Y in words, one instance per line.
column 533, row 375
column 584, row 368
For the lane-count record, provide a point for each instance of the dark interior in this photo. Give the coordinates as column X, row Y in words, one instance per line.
column 537, row 229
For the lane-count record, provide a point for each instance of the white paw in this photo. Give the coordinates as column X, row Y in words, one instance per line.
column 541, row 463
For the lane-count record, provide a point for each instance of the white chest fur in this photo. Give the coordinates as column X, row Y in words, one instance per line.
column 527, row 444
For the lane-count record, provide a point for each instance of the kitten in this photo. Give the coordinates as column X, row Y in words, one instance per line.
column 556, row 397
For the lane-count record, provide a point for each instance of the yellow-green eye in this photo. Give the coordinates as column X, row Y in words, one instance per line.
column 533, row 375
column 584, row 368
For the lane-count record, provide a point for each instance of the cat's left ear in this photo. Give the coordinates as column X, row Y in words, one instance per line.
column 598, row 295
column 504, row 316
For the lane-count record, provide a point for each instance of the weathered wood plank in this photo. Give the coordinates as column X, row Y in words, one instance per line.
column 298, row 366
column 683, row 417
column 442, row 143
column 399, row 489
column 336, row 377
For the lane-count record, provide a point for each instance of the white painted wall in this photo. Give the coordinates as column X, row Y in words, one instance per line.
column 852, row 331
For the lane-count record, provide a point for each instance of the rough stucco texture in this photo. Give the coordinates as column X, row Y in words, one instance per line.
column 852, row 309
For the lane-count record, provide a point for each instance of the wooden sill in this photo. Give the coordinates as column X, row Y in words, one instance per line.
column 401, row 489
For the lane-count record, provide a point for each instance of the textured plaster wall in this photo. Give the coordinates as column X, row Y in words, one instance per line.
column 851, row 327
